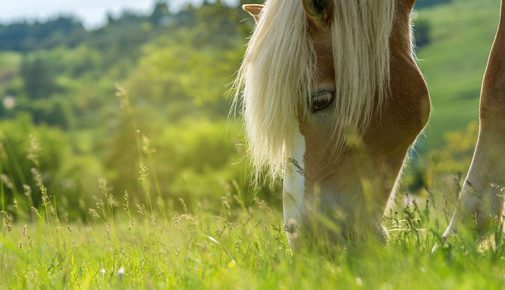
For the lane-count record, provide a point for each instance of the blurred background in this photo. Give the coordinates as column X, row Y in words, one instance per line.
column 129, row 97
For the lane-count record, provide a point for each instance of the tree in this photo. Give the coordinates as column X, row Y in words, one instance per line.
column 428, row 3
column 422, row 31
column 38, row 80
column 161, row 14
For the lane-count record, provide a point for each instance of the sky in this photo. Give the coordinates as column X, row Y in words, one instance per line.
column 92, row 12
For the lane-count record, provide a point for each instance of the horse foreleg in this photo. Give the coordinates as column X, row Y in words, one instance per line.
column 481, row 199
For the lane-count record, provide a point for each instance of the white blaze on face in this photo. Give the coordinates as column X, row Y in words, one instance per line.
column 294, row 188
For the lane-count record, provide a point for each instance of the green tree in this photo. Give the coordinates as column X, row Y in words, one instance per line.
column 429, row 3
column 38, row 79
column 161, row 14
column 422, row 32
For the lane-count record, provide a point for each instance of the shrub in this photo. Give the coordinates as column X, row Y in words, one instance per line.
column 422, row 32
column 32, row 157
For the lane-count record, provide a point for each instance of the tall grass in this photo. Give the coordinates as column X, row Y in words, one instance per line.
column 238, row 249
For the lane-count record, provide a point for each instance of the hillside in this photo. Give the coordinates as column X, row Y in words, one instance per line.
column 175, row 67
column 462, row 33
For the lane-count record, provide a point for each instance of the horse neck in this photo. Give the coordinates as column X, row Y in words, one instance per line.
column 400, row 42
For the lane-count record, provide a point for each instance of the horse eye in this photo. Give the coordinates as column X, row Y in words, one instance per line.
column 321, row 100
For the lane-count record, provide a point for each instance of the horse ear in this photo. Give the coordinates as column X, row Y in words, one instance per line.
column 320, row 11
column 254, row 10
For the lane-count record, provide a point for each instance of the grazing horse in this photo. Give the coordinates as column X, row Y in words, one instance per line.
column 332, row 100
column 343, row 145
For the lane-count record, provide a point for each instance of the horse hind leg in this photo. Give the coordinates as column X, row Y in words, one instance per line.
column 481, row 199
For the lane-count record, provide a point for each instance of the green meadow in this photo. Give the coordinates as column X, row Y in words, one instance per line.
column 454, row 62
column 121, row 169
column 243, row 249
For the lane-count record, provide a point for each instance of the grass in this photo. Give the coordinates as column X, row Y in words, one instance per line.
column 244, row 249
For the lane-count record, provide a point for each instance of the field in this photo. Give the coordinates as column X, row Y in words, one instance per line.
column 245, row 249
column 150, row 189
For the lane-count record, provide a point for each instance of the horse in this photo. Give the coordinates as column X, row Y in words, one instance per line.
column 333, row 99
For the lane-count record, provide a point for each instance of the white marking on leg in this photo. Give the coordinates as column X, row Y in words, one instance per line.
column 294, row 188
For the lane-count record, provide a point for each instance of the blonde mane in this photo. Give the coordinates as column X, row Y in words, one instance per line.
column 277, row 76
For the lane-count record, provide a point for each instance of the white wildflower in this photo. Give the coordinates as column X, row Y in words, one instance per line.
column 120, row 272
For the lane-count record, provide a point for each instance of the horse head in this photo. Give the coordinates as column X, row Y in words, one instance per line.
column 333, row 99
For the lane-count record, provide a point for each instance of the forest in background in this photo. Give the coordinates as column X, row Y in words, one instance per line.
column 140, row 106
